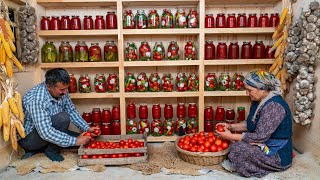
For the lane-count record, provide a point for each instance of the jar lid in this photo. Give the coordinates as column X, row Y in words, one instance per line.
column 234, row 42
column 209, row 14
column 116, row 105
column 99, row 16
column 140, row 11
column 86, row 112
column 105, row 124
column 241, row 108
column 259, row 41
column 232, row 14
column 242, row 14
column 209, row 41
column 252, row 14
column 208, row 107
column 156, row 104
column 220, row 42
column 143, row 104
column 95, row 109
column 111, row 12
column 106, row 109
column 182, row 104
column 221, row 14
column 168, row 104
column 54, row 16
column 246, row 42
column 230, row 109
column 192, row 104
column 71, row 74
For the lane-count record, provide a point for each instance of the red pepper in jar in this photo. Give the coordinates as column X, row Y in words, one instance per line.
column 73, row 84
column 115, row 112
column 269, row 55
column 154, row 20
column 246, row 50
column 168, row 127
column 209, row 21
column 264, row 20
column 237, row 82
column 181, row 82
column 208, row 126
column 173, row 51
column 224, row 82
column 158, row 51
column 156, row 128
column 113, row 83
column 181, row 123
column 192, row 125
column 181, row 110
column 55, row 23
column 231, row 21
column 209, row 50
column 168, row 111
column 45, row 23
column 220, row 114
column 84, row 84
column 131, row 82
column 222, row 50
column 242, row 20
column 193, row 19
column 111, row 20
column 144, row 126
column 181, row 19
column 258, row 50
column 95, row 53
column 192, row 110
column 193, row 82
column 106, row 115
column 211, row 83
column 154, row 82
column 166, row 19
column 274, row 20
column 144, row 51
column 100, row 84
column 208, row 113
column 142, row 82
column 115, row 127
column 87, row 117
column 130, row 53
column 96, row 115
column 128, row 20
column 75, row 23
column 221, row 21
column 241, row 114
column 253, row 20
column 143, row 111
column 65, row 23
column 88, row 23
column 167, row 82
column 131, row 127
column 99, row 22
column 190, row 51
column 233, row 50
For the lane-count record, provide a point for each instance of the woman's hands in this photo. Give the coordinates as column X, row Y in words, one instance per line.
column 226, row 134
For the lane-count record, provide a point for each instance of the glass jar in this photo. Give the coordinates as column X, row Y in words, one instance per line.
column 181, row 82
column 209, row 21
column 167, row 82
column 193, row 18
column 84, row 84
column 167, row 19
column 158, row 51
column 128, row 20
column 269, row 55
column 87, row 117
column 65, row 23
column 231, row 21
column 130, row 53
column 181, row 123
column 181, row 110
column 110, row 51
column 211, row 83
column 233, row 50
column 264, row 20
column 154, row 20
column 99, row 22
column 192, row 125
column 131, row 111
column 224, row 82
column 222, row 50
column 237, row 82
column 130, row 83
column 242, row 20
column 98, row 125
column 156, row 111
column 81, row 52
column 142, row 82
column 113, row 83
column 48, row 53
column 241, row 114
column 190, row 51
column 154, row 82
column 274, row 20
column 106, row 115
column 144, row 51
column 246, row 50
column 143, row 111
column 208, row 126
column 88, row 23
column 45, row 23
column 193, row 82
column 173, row 51
column 100, row 83
column 192, row 110
column 96, row 115
column 65, row 52
column 144, row 126
column 105, row 129
column 168, row 127
column 75, row 23
column 168, row 111
column 55, row 23
column 95, row 53
column 252, row 20
column 209, row 50
column 73, row 84
column 141, row 20
column 115, row 112
column 221, row 21
column 156, row 128
column 258, row 50
column 220, row 114
column 181, row 19
column 230, row 115
column 111, row 20
column 208, row 113
column 115, row 127
column 131, row 126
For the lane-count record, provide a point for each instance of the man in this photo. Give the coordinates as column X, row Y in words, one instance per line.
column 48, row 112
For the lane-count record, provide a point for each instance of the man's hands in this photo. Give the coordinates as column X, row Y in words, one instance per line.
column 95, row 131
column 82, row 139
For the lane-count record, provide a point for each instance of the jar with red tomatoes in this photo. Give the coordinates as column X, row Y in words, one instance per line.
column 231, row 21
column 258, row 50
column 224, row 82
column 168, row 127
column 181, row 82
column 190, row 51
column 130, row 83
column 73, row 84
column 211, row 83
column 181, row 19
column 141, row 20
column 84, row 84
column 110, row 51
column 167, row 82
column 144, row 126
column 173, row 51
column 221, row 21
column 154, row 82
column 75, row 23
column 65, row 23
column 222, row 50
column 193, row 82
column 156, row 127
column 99, row 22
column 142, row 82
column 100, row 83
column 233, row 50
column 209, row 50
column 246, row 50
column 87, row 23
column 55, row 23
column 192, row 125
column 128, row 20
column 81, row 52
column 181, row 126
column 193, row 18
column 130, row 53
column 131, row 126
column 45, row 23
column 65, row 52
column 166, row 19
column 154, row 20
column 209, row 21
column 144, row 51
column 111, row 20
column 95, row 53
column 113, row 83
column 158, row 51
column 237, row 82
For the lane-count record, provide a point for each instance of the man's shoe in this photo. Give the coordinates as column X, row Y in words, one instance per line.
column 53, row 156
column 28, row 154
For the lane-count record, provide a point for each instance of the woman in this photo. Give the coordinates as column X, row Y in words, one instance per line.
column 266, row 146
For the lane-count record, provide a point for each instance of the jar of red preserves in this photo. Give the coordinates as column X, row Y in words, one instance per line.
column 73, row 84
column 65, row 23
column 231, row 21
column 144, row 126
column 154, row 82
column 221, row 21
column 130, row 52
column 96, row 115
column 220, row 114
column 113, row 83
column 143, row 111
column 173, row 51
column 55, row 23
column 168, row 127
column 264, row 20
column 75, row 23
column 211, row 82
column 110, row 51
column 154, row 20
column 192, row 125
column 158, row 51
column 115, row 127
column 258, row 50
column 193, row 82
column 156, row 111
column 190, row 51
column 142, row 82
column 84, row 84
column 115, row 112
column 246, row 50
column 208, row 126
column 233, row 50
column 209, row 21
column 111, row 20
column 105, row 129
column 106, row 115
column 242, row 20
column 144, row 51
column 208, row 113
column 274, row 20
column 87, row 117
column 181, row 82
column 209, row 50
column 95, row 53
column 168, row 111
column 100, row 83
column 99, row 22
column 181, row 123
column 252, row 20
column 45, row 23
column 230, row 115
column 131, row 111
column 269, row 55
column 222, row 50
column 241, row 114
column 181, row 110
column 193, row 19
column 167, row 82
column 88, row 23
column 156, row 128
column 131, row 127
column 192, row 110
column 128, row 20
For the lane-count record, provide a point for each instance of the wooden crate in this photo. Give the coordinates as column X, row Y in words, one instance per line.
column 115, row 161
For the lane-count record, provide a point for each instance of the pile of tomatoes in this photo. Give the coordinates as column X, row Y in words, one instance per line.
column 202, row 142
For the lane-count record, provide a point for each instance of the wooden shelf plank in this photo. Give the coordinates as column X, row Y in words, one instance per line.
column 166, row 3
column 77, row 3
column 79, row 65
column 161, row 63
column 19, row 2
column 237, row 62
column 160, row 94
column 225, row 93
column 60, row 33
column 161, row 138
column 240, row 2
column 94, row 95
column 190, row 31
column 268, row 30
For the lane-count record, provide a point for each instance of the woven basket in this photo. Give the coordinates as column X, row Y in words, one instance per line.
column 201, row 158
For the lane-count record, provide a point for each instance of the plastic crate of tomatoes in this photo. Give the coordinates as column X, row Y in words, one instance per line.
column 114, row 150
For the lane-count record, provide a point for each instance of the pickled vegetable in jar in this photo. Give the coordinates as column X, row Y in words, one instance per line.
column 115, row 127
column 193, row 82
column 142, row 82
column 110, row 51
column 264, row 20
column 144, row 51
column 130, row 83
column 222, row 50
column 75, row 23
column 65, row 23
column 156, row 127
column 81, row 51
column 181, row 126
column 45, row 23
column 258, row 50
column 168, row 111
column 253, row 20
column 154, row 20
column 209, row 21
column 100, row 83
column 242, row 20
column 143, row 111
column 130, row 53
column 193, row 18
column 208, row 113
column 181, row 19
column 166, row 19
column 131, row 127
column 154, row 82
column 269, row 55
column 88, row 23
column 73, row 84
column 181, row 82
column 246, row 50
column 192, row 126
column 211, row 83
column 95, row 53
column 99, row 22
column 141, row 20
column 168, row 127
column 65, row 52
column 167, row 82
column 158, row 51
column 274, row 20
column 84, row 84
column 192, row 110
column 173, row 51
column 111, row 20
column 48, row 53
column 55, row 23
column 144, row 126
column 233, row 50
column 209, row 50
column 128, row 20
column 190, row 51
column 181, row 110
column 221, row 21
column 237, row 82
column 113, row 83
column 224, row 82
column 231, row 21
column 208, row 126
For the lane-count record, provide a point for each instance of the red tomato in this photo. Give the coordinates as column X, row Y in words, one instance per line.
column 186, row 147
column 94, row 156
column 193, row 149
column 224, row 145
column 211, row 140
column 97, row 132
column 200, row 141
column 87, row 134
column 201, row 133
column 220, row 149
column 207, row 144
column 130, row 140
column 220, row 128
column 193, row 140
column 114, row 155
column 84, row 156
column 122, row 142
column 136, row 143
column 210, row 134
column 106, row 156
column 100, row 156
column 141, row 144
column 218, row 142
column 93, row 145
column 186, row 141
column 206, row 150
column 120, row 155
column 213, row 148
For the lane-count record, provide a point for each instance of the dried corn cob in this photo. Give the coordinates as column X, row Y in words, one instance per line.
column 6, row 132
column 18, row 98
column 9, row 68
column 14, row 141
column 17, row 63
column 9, row 31
column 5, row 113
column 20, row 128
column 13, row 106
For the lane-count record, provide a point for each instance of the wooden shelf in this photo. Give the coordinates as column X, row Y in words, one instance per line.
column 185, row 31
column 160, row 94
column 77, row 33
column 93, row 95
column 162, row 63
column 261, row 30
column 161, row 138
column 77, row 3
column 19, row 2
column 237, row 62
column 79, row 65
column 167, row 3
column 241, row 2
column 225, row 93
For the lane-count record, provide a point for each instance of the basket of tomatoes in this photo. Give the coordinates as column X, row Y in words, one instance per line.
column 204, row 149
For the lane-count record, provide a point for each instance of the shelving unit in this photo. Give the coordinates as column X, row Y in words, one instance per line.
column 122, row 36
